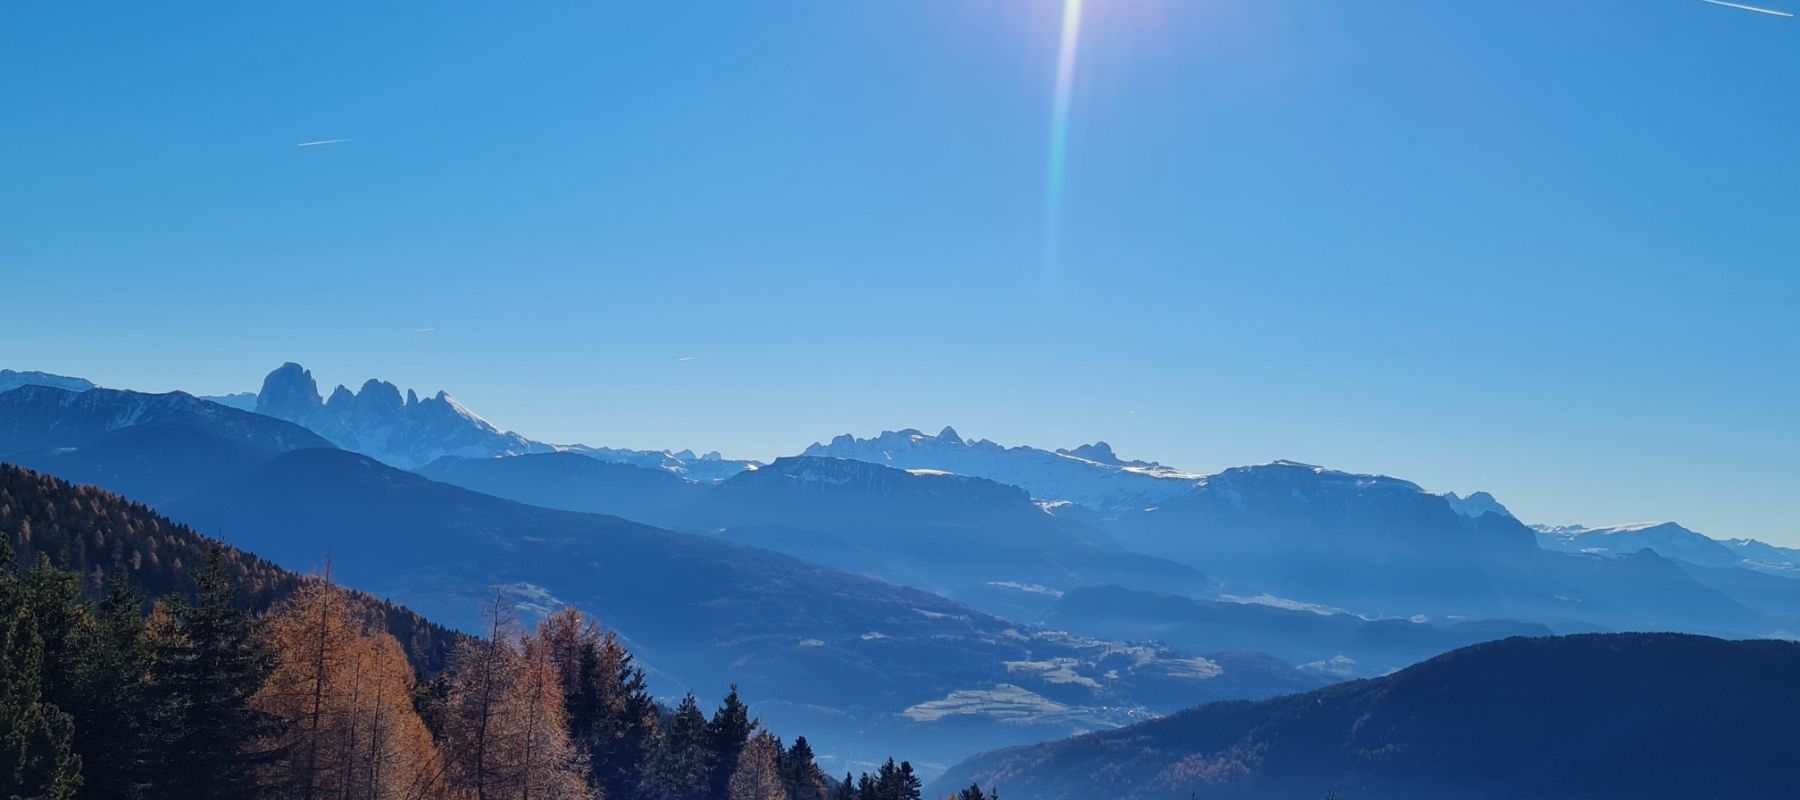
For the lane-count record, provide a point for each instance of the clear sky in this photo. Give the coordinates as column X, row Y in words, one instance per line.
column 1550, row 249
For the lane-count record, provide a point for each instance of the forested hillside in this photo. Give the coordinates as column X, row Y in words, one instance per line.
column 100, row 537
column 243, row 680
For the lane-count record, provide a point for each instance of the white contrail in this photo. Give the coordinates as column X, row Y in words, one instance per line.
column 685, row 358
column 323, row 141
column 424, row 330
column 1740, row 6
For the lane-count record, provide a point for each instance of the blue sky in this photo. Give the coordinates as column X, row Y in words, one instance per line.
column 1546, row 249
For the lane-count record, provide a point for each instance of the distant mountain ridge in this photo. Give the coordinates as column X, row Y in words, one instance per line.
column 984, row 543
column 45, row 416
column 409, row 432
column 1091, row 475
column 1672, row 541
column 10, row 380
column 377, row 420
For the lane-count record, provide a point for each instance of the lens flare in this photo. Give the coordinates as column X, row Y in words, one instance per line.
column 1059, row 129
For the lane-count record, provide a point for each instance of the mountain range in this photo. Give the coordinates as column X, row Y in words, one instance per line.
column 983, row 543
column 916, row 593
column 1673, row 541
column 406, row 431
column 875, row 665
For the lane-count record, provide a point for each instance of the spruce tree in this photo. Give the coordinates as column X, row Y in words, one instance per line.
column 112, row 697
column 682, row 766
column 846, row 789
column 726, row 736
column 907, row 785
column 974, row 793
column 800, row 773
column 208, row 663
column 37, row 755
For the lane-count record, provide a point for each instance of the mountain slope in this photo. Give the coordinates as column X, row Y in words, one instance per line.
column 97, row 535
column 567, row 481
column 841, row 654
column 39, row 417
column 981, row 542
column 1672, row 541
column 150, row 447
column 1383, row 546
column 1599, row 716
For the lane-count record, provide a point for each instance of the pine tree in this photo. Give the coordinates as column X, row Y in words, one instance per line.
column 974, row 793
column 625, row 735
column 907, row 785
column 208, row 662
column 37, row 756
column 846, row 788
column 726, row 736
column 800, row 773
column 112, row 704
column 682, row 766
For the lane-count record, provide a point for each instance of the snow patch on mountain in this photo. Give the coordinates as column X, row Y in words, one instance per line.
column 1090, row 475
column 406, row 431
column 1671, row 540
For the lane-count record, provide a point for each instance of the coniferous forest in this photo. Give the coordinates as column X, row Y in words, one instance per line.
column 141, row 660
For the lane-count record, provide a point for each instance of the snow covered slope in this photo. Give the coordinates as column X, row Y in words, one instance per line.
column 1090, row 475
column 1670, row 540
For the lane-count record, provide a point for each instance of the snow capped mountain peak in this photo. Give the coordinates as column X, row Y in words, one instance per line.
column 1671, row 540
column 379, row 421
column 1045, row 474
column 407, row 431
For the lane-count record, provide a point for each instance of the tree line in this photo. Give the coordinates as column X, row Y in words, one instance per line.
column 195, row 695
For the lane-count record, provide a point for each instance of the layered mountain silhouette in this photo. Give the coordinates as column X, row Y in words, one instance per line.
column 1581, row 717
column 845, row 654
column 1385, row 547
column 976, row 540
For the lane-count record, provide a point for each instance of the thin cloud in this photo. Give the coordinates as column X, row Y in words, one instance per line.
column 424, row 330
column 317, row 142
column 1741, row 7
column 685, row 358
